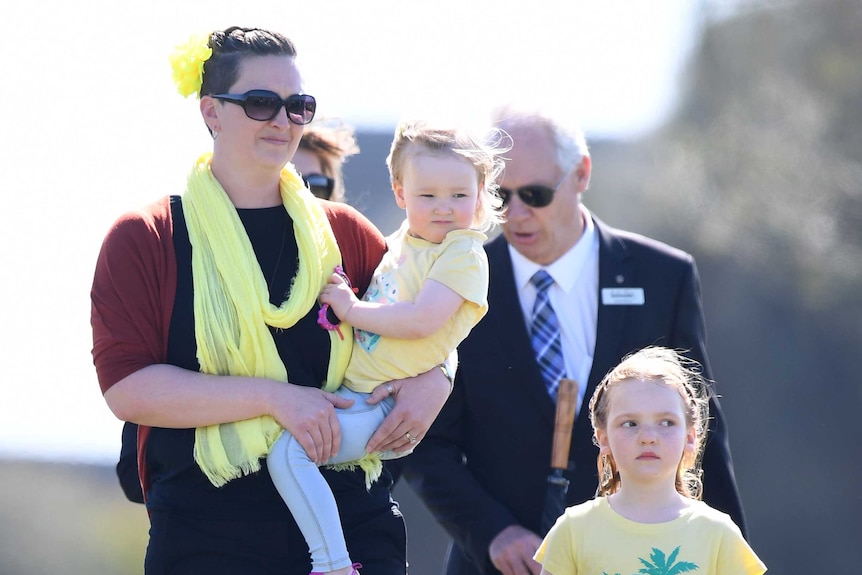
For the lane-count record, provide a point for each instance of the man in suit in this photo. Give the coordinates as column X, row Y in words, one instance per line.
column 482, row 468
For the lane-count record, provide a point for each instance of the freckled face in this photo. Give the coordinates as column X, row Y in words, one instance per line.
column 646, row 431
column 440, row 192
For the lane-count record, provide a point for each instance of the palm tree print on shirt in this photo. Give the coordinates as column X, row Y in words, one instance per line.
column 661, row 565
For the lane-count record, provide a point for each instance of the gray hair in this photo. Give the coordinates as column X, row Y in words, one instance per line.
column 569, row 139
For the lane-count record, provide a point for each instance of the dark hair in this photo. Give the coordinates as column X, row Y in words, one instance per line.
column 331, row 142
column 231, row 46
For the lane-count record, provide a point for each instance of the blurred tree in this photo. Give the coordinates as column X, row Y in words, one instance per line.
column 759, row 174
column 764, row 159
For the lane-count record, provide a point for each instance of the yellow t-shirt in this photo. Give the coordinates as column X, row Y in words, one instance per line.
column 459, row 262
column 592, row 539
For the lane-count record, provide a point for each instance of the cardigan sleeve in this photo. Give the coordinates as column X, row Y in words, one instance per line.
column 361, row 243
column 132, row 294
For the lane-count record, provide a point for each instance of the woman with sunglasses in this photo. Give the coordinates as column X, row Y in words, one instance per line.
column 322, row 151
column 204, row 315
column 324, row 147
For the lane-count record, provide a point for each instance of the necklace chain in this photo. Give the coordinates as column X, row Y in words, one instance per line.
column 278, row 259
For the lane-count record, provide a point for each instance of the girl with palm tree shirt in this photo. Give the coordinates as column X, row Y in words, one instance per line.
column 649, row 417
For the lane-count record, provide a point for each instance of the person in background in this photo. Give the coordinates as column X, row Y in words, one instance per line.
column 323, row 149
column 569, row 296
column 428, row 292
column 205, row 334
column 649, row 418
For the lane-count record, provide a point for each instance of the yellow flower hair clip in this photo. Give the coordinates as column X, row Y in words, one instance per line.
column 187, row 63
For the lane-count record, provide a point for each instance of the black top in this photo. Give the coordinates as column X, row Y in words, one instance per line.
column 177, row 481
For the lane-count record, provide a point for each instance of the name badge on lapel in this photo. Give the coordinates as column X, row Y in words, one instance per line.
column 623, row 296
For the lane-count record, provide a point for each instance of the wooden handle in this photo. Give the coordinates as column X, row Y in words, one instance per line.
column 567, row 399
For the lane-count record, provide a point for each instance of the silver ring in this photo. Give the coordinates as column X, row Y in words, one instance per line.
column 390, row 389
column 410, row 438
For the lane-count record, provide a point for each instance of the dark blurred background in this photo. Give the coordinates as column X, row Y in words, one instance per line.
column 758, row 173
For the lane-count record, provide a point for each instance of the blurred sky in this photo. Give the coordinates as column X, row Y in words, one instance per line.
column 91, row 126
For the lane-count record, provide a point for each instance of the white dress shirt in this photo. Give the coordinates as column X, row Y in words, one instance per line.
column 574, row 297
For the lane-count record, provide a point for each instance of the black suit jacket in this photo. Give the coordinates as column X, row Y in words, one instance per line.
column 484, row 463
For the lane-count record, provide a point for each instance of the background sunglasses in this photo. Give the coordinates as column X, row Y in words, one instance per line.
column 534, row 195
column 263, row 105
column 320, row 185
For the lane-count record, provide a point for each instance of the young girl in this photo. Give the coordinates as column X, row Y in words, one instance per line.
column 425, row 297
column 649, row 415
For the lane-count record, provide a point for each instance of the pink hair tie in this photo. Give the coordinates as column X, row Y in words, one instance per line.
column 322, row 320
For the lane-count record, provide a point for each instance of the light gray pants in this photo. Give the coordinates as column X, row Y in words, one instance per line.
column 307, row 493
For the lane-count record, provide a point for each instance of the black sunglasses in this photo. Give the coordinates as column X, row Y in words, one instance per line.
column 534, row 195
column 320, row 185
column 263, row 105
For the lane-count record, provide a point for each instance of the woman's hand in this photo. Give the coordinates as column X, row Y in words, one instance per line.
column 308, row 414
column 168, row 396
column 418, row 400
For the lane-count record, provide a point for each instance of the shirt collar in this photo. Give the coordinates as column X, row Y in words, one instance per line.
column 565, row 269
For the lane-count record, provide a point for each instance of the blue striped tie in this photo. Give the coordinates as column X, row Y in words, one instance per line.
column 545, row 333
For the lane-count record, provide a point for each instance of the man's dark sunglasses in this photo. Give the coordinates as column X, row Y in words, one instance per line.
column 320, row 185
column 263, row 105
column 534, row 195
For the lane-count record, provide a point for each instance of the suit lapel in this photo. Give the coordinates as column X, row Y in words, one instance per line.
column 512, row 335
column 614, row 271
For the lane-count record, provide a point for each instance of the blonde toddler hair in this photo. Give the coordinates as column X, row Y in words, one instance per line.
column 483, row 153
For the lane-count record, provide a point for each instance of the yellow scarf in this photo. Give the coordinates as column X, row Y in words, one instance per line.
column 232, row 309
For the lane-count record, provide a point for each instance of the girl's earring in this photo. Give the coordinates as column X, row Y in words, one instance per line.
column 607, row 475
